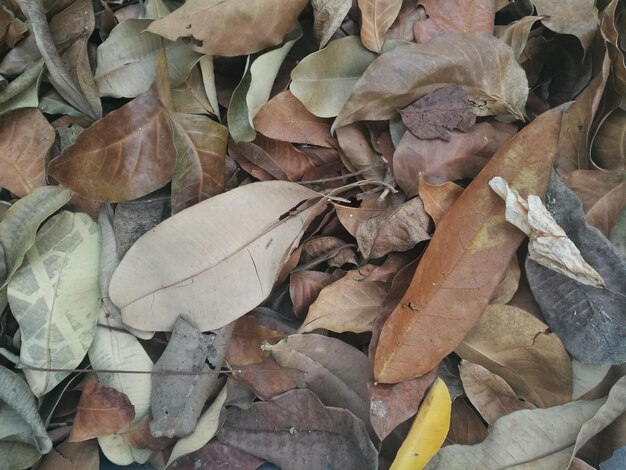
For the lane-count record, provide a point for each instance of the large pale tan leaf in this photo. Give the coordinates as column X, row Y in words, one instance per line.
column 483, row 65
column 54, row 297
column 215, row 26
column 124, row 156
column 577, row 17
column 25, row 138
column 213, row 262
column 465, row 260
column 376, row 18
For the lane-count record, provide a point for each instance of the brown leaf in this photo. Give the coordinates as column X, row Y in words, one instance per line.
column 509, row 284
column 358, row 153
column 464, row 156
column 402, row 28
column 294, row 430
column 25, row 138
column 603, row 215
column 351, row 217
column 126, row 155
column 465, row 260
column 245, row 344
column 608, row 150
column 591, row 185
column 489, row 393
column 214, row 26
column 255, row 376
column 466, row 427
column 434, row 115
column 101, row 411
column 462, row 16
column 216, row 455
column 438, row 198
column 285, row 118
column 376, row 18
column 140, row 437
column 72, row 455
column 332, row 249
column 521, row 349
column 305, row 286
column 577, row 17
column 200, row 154
column 483, row 65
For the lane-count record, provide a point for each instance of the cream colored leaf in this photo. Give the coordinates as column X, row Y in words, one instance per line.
column 55, row 296
column 548, row 243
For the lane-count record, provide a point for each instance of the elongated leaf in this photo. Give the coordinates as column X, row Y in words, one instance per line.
column 126, row 155
column 19, row 225
column 324, row 90
column 55, row 296
column 232, row 275
column 126, row 60
column 376, row 18
column 15, row 393
column 483, row 65
column 465, row 260
column 214, row 26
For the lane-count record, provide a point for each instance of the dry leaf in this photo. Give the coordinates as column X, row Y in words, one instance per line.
column 376, row 18
column 328, row 14
column 466, row 427
column 305, row 286
column 245, row 344
column 438, row 198
column 71, row 456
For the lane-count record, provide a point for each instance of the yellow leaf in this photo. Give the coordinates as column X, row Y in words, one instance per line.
column 428, row 431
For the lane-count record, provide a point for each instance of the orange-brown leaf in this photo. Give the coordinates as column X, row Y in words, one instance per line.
column 376, row 18
column 466, row 259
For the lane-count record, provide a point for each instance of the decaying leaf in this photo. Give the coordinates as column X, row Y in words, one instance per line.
column 548, row 244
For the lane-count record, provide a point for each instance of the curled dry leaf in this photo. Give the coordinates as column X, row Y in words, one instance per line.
column 25, row 138
column 465, row 260
column 101, row 411
column 376, row 18
column 214, row 26
column 482, row 64
column 127, row 154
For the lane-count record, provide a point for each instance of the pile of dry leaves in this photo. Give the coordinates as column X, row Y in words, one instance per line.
column 313, row 235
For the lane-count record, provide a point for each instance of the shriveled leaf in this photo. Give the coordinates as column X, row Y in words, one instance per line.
column 465, row 260
column 434, row 115
column 489, row 393
column 285, row 118
column 437, row 199
column 294, row 430
column 214, row 26
column 323, row 90
column 101, row 411
column 348, row 304
column 462, row 16
column 376, row 18
column 126, row 155
column 577, row 17
column 428, row 431
column 126, row 60
column 589, row 321
column 55, row 297
column 25, row 138
column 328, row 16
column 200, row 146
column 233, row 274
column 19, row 226
column 72, row 455
column 483, row 65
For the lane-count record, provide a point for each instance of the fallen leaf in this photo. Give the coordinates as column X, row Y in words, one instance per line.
column 101, row 411
column 591, row 185
column 126, row 155
column 469, row 253
column 214, row 27
column 294, row 430
column 434, row 115
column 245, row 345
column 509, row 284
column 304, row 288
column 466, row 427
column 586, row 377
column 577, row 17
column 328, row 16
column 351, row 217
column 428, row 431
column 402, row 28
column 17, row 455
column 72, row 455
column 255, row 377
column 139, row 436
column 217, row 455
column 322, row 91
column 462, row 16
column 608, row 144
column 376, row 18
column 438, row 198
column 25, row 139
column 410, row 71
column 516, row 34
column 357, row 154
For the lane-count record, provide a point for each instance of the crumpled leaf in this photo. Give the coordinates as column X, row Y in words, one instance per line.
column 294, row 430
column 328, row 16
column 25, row 138
column 590, row 321
column 16, row 394
column 428, row 431
column 177, row 400
column 465, row 260
column 548, row 244
column 230, row 278
column 434, row 115
column 483, row 65
column 72, row 455
column 214, row 26
column 322, row 91
column 376, row 18
column 126, row 155
column 101, row 411
column 55, row 296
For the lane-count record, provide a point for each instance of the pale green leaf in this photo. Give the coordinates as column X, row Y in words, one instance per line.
column 19, row 226
column 208, row 78
column 155, row 9
column 17, row 456
column 324, row 80
column 126, row 60
column 54, row 297
column 23, row 91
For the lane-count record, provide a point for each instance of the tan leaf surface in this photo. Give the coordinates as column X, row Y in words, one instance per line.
column 438, row 198
column 462, row 16
column 376, row 18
